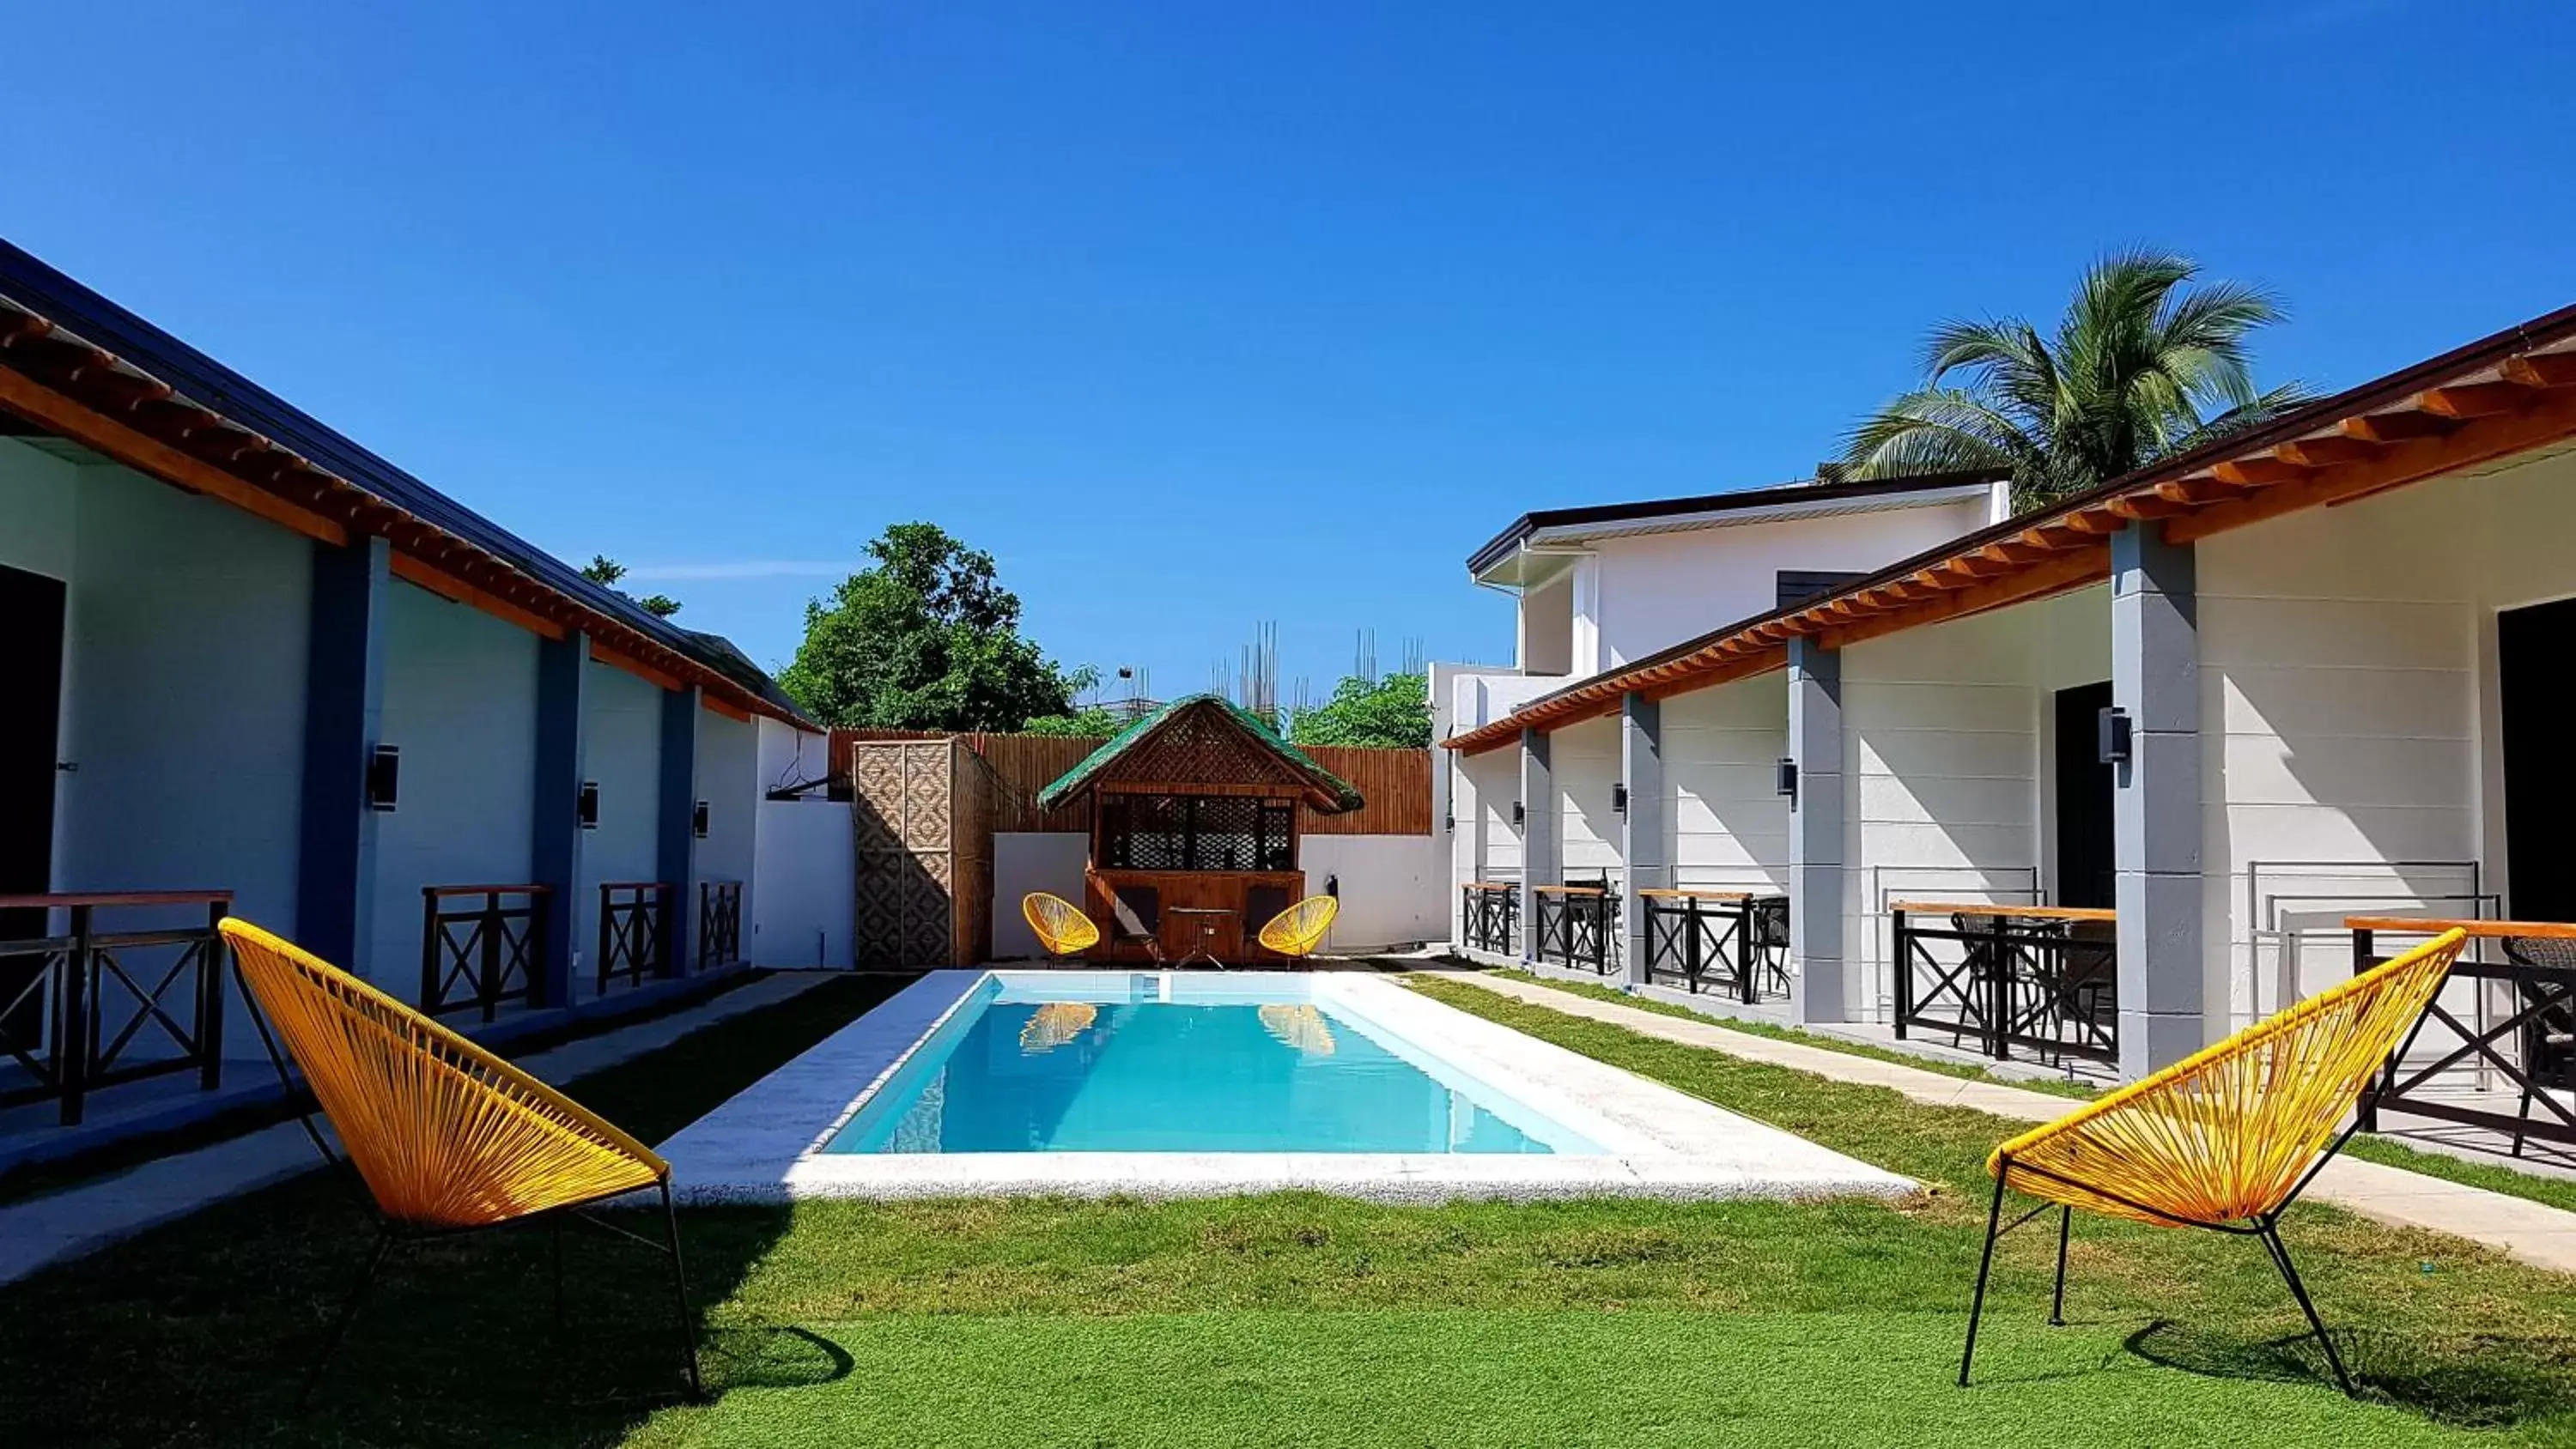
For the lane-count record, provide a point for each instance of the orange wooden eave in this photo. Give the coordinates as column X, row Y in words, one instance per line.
column 115, row 410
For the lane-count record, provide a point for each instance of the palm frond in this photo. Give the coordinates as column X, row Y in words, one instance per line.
column 2288, row 397
column 1935, row 430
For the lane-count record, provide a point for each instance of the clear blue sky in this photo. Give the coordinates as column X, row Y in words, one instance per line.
column 1197, row 315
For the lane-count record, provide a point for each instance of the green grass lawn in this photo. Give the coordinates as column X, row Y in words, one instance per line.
column 1300, row 1319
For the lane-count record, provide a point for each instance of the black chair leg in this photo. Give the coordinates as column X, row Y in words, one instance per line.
column 2271, row 1235
column 2521, row 1120
column 348, row 1314
column 555, row 1230
column 2057, row 1302
column 680, row 1293
column 1985, row 1265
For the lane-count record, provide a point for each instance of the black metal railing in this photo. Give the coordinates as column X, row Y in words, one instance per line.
column 482, row 945
column 2039, row 978
column 1489, row 917
column 77, row 1014
column 2526, row 1051
column 634, row 931
column 1578, row 926
column 1732, row 942
column 719, row 923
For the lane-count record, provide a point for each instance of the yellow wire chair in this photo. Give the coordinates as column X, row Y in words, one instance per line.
column 1298, row 930
column 1062, row 927
column 443, row 1136
column 2225, row 1139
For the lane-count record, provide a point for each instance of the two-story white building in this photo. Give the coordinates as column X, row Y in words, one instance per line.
column 1611, row 588
column 2111, row 778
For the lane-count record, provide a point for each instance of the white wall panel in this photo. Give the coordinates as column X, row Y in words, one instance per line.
column 2338, row 702
column 804, row 862
column 1391, row 889
column 461, row 704
column 185, row 671
column 621, row 722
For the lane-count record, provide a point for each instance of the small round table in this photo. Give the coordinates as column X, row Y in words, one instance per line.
column 1209, row 920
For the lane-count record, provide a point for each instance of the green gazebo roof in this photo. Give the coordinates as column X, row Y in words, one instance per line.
column 1082, row 776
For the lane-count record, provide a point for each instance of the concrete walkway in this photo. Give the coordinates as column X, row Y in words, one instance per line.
column 2534, row 1232
column 90, row 1215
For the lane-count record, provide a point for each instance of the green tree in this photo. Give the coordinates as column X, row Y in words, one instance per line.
column 2145, row 364
column 924, row 637
column 1393, row 713
column 1092, row 723
column 605, row 570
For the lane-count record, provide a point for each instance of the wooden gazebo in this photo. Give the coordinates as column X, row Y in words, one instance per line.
column 1194, row 830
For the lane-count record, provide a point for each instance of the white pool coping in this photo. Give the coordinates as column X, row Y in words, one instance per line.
column 765, row 1144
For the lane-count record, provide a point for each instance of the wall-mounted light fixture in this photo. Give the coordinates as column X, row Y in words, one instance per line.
column 384, row 776
column 1619, row 796
column 1520, row 812
column 1786, row 781
column 587, row 807
column 698, row 820
column 2112, row 733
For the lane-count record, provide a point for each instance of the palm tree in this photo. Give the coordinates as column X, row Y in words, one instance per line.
column 2144, row 366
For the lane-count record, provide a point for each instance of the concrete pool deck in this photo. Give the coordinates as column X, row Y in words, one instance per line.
column 766, row 1144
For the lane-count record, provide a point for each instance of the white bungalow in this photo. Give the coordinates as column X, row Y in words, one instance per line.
column 262, row 670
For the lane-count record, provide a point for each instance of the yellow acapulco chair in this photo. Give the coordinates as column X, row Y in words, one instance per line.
column 1062, row 928
column 1298, row 930
column 444, row 1137
column 2225, row 1139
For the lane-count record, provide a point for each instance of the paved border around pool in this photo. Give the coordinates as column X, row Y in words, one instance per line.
column 765, row 1144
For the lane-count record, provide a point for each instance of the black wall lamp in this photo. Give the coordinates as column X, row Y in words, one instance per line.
column 1619, row 796
column 587, row 805
column 1520, row 812
column 698, row 820
column 2112, row 732
column 384, row 776
column 1786, row 781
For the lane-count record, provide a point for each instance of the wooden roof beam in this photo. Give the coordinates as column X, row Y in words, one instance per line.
column 2542, row 369
column 2474, row 399
column 2398, row 427
column 2144, row 506
column 2061, row 572
column 2550, row 419
column 2257, row 472
column 2327, row 451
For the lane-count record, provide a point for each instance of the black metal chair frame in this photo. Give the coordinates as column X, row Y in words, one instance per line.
column 391, row 1234
column 2548, row 1026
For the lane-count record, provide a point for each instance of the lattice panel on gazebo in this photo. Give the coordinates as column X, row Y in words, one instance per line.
column 1203, row 746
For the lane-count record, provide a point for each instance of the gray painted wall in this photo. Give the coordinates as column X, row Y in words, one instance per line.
column 729, row 781
column 184, row 682
column 622, row 750
column 461, row 704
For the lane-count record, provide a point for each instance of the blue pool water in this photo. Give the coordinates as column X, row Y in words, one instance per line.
column 1219, row 1069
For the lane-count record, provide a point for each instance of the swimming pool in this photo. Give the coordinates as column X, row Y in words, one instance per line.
column 1172, row 1084
column 1113, row 1061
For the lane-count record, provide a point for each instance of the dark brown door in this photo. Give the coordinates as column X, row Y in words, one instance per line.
column 2084, row 791
column 2536, row 648
column 31, row 620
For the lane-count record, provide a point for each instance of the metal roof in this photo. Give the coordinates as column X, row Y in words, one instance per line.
column 56, row 310
column 1805, row 498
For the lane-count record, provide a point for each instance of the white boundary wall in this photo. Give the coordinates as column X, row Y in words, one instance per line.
column 805, row 858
